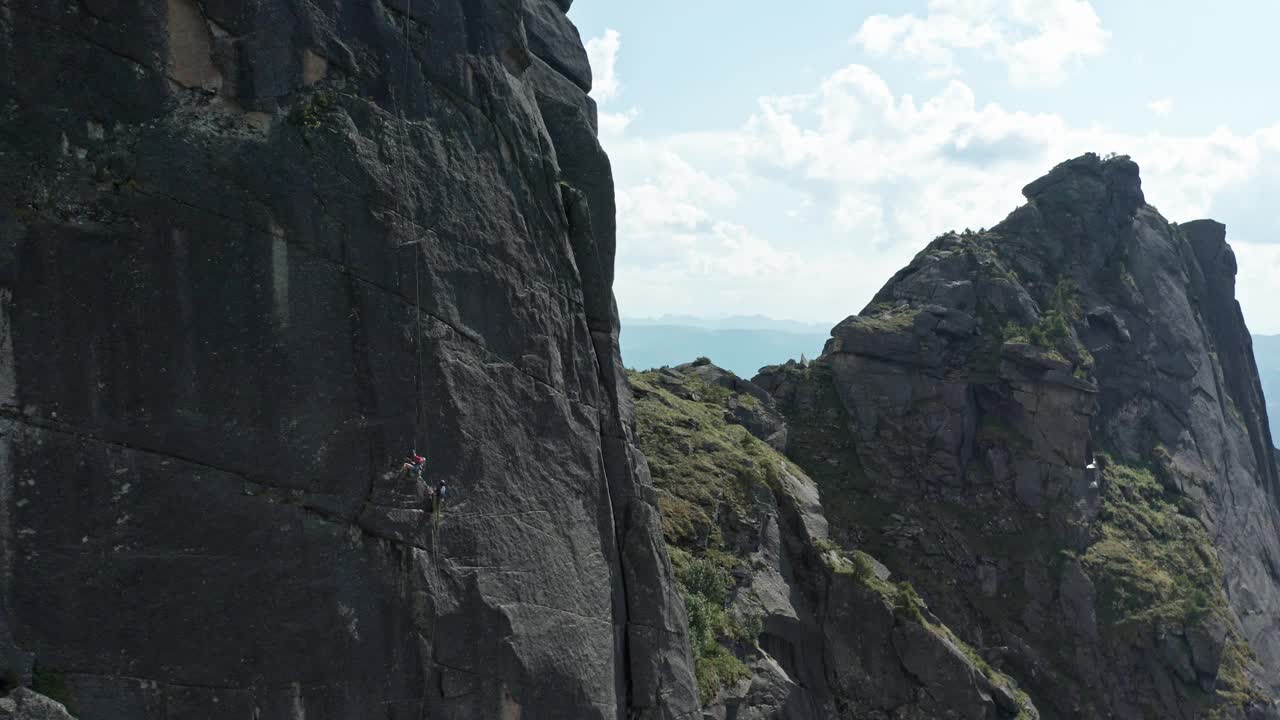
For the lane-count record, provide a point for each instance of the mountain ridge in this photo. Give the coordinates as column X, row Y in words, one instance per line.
column 744, row 350
column 1082, row 347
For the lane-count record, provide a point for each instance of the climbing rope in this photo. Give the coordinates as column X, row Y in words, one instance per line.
column 402, row 209
column 436, row 511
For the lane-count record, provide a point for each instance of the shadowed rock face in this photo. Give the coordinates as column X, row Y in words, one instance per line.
column 236, row 289
column 796, row 627
column 952, row 428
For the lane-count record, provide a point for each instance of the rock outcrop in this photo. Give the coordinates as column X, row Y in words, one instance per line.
column 1054, row 430
column 251, row 254
column 24, row 704
column 785, row 623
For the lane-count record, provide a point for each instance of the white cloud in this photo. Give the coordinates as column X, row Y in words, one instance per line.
column 1258, row 285
column 606, row 84
column 1161, row 107
column 602, row 52
column 615, row 124
column 674, row 196
column 813, row 202
column 1037, row 40
column 818, row 198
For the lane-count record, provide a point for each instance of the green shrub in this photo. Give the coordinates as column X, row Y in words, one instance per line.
column 747, row 627
column 52, row 683
column 1234, row 687
column 316, row 111
column 1154, row 565
column 704, row 584
column 717, row 668
column 1015, row 333
column 1065, row 300
column 701, row 360
column 908, row 605
column 707, row 579
column 702, row 621
column 10, row 680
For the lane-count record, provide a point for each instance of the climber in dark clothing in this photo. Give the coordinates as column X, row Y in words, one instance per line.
column 441, row 493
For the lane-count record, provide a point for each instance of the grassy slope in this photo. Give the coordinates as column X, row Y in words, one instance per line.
column 704, row 470
column 708, row 472
column 1156, row 568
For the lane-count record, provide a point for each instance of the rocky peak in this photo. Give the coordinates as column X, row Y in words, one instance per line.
column 1089, row 182
column 1067, row 404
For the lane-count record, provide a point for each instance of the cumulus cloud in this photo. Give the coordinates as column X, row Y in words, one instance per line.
column 602, row 52
column 805, row 208
column 812, row 203
column 1037, row 40
column 855, row 134
column 606, row 85
column 1258, row 284
column 1161, row 107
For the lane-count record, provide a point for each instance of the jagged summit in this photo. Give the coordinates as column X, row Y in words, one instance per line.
column 1068, row 404
column 1089, row 181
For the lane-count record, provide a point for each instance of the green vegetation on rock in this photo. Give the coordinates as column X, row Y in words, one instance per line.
column 317, row 109
column 996, row 677
column 711, row 478
column 705, row 584
column 1157, row 570
column 1153, row 564
column 10, row 680
column 1053, row 333
column 704, row 469
column 700, row 463
column 52, row 683
column 889, row 318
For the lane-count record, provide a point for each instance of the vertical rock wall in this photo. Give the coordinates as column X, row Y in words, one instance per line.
column 236, row 287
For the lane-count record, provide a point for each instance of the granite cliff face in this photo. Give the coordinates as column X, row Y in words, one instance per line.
column 785, row 623
column 1054, row 429
column 253, row 253
column 250, row 255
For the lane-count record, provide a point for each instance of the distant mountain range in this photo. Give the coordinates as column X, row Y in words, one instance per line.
column 744, row 344
column 734, row 322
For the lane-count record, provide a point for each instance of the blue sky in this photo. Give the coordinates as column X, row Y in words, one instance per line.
column 786, row 162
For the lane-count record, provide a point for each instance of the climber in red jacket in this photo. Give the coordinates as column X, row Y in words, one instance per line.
column 413, row 470
column 414, row 467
